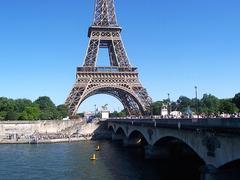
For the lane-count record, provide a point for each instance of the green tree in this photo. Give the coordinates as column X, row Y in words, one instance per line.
column 23, row 109
column 7, row 109
column 183, row 103
column 7, row 104
column 209, row 104
column 48, row 110
column 156, row 107
column 236, row 100
column 227, row 106
column 45, row 103
column 26, row 109
column 33, row 112
column 3, row 115
column 11, row 115
column 45, row 115
column 174, row 106
column 22, row 104
column 118, row 114
column 23, row 116
column 123, row 113
column 114, row 114
column 62, row 111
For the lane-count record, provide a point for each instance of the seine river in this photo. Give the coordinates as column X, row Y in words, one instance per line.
column 71, row 161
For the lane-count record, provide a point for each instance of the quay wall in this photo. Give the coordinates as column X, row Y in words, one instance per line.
column 29, row 127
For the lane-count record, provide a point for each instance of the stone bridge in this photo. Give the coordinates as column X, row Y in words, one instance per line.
column 216, row 142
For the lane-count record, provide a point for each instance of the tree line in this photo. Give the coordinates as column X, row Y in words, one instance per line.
column 44, row 109
column 24, row 109
column 208, row 105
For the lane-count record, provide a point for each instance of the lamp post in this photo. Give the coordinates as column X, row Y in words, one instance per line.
column 151, row 111
column 95, row 110
column 196, row 96
column 169, row 104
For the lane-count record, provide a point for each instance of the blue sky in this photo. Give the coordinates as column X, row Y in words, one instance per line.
column 175, row 44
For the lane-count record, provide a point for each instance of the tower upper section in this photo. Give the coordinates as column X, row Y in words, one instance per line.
column 104, row 14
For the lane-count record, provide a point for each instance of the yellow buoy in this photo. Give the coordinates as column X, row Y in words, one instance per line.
column 93, row 157
column 98, row 148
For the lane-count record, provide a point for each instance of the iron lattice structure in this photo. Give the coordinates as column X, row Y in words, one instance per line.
column 120, row 79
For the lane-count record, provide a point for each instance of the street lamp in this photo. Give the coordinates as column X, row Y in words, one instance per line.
column 169, row 104
column 196, row 96
column 152, row 111
column 95, row 109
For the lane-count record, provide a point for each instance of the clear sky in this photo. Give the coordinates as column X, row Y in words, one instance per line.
column 176, row 44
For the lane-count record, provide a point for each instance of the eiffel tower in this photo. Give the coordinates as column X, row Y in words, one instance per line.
column 120, row 79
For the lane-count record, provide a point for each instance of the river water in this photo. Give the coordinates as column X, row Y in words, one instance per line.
column 71, row 161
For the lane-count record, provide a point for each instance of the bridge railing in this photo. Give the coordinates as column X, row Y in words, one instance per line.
column 219, row 124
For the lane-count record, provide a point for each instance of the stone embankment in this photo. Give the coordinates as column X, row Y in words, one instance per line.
column 12, row 132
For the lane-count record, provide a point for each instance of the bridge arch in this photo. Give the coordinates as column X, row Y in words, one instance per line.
column 181, row 155
column 138, row 136
column 177, row 144
column 110, row 128
column 187, row 139
column 232, row 164
column 120, row 131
